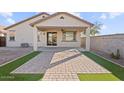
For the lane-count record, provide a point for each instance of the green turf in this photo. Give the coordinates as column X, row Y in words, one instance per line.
column 6, row 69
column 116, row 70
column 98, row 77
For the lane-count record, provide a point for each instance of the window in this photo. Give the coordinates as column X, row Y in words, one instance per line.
column 12, row 38
column 12, row 35
column 11, row 30
column 69, row 36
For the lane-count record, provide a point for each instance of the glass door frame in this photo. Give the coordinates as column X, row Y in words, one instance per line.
column 52, row 43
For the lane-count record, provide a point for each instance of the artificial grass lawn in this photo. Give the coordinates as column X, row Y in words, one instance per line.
column 6, row 69
column 116, row 70
column 97, row 77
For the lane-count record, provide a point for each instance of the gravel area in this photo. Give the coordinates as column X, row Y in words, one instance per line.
column 8, row 54
column 107, row 56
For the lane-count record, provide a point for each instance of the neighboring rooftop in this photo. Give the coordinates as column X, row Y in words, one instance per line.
column 2, row 27
column 2, row 30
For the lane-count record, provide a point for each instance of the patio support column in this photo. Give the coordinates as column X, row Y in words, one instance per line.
column 88, row 39
column 35, row 32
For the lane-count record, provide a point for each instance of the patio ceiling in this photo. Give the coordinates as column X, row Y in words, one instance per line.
column 42, row 28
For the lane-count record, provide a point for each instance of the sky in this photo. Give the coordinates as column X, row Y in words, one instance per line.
column 113, row 22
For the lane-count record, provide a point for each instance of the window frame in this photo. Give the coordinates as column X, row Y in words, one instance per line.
column 10, row 38
column 64, row 36
column 12, row 35
column 11, row 30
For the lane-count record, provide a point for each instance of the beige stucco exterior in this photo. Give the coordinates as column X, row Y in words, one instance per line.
column 25, row 33
column 67, row 21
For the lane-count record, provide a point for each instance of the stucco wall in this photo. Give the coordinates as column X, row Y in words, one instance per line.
column 23, row 33
column 108, row 43
column 67, row 21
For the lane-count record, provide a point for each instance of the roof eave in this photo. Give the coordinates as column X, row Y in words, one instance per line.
column 25, row 20
column 91, row 24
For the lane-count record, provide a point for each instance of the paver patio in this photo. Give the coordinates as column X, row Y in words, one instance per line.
column 38, row 64
column 66, row 64
column 61, row 65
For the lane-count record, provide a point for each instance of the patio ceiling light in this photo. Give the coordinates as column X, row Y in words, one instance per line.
column 62, row 29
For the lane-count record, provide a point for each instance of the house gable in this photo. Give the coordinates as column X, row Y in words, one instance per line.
column 62, row 19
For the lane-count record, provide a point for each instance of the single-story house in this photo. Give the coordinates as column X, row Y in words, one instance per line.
column 60, row 29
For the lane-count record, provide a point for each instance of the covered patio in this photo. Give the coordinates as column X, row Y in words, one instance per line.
column 41, row 34
column 61, row 30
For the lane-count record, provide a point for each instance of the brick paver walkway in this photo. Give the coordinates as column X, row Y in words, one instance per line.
column 66, row 64
column 61, row 65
